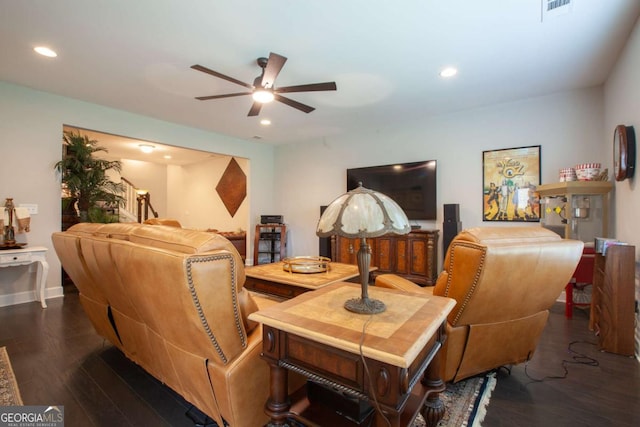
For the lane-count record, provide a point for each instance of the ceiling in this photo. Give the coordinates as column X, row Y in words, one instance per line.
column 118, row 147
column 384, row 56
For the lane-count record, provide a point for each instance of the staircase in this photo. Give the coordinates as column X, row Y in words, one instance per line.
column 137, row 203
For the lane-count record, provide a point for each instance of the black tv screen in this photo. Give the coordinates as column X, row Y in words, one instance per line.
column 410, row 185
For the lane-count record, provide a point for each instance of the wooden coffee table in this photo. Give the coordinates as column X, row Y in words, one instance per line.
column 390, row 359
column 273, row 280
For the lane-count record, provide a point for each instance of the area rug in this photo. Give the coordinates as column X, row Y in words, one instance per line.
column 9, row 393
column 465, row 402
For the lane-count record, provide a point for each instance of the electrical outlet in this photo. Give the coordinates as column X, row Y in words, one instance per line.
column 31, row 208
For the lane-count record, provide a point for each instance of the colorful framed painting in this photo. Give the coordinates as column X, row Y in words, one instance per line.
column 509, row 180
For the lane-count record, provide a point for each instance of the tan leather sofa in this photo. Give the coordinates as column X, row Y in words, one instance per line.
column 163, row 221
column 504, row 280
column 173, row 301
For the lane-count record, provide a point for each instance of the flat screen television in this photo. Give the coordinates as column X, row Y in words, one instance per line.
column 410, row 185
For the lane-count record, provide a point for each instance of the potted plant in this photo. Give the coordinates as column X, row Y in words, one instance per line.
column 84, row 177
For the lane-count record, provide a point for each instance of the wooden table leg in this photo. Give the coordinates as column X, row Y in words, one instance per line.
column 433, row 409
column 41, row 280
column 568, row 298
column 278, row 405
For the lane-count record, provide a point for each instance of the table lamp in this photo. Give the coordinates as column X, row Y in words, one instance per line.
column 9, row 212
column 363, row 213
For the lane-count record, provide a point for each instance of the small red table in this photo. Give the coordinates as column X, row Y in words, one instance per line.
column 581, row 277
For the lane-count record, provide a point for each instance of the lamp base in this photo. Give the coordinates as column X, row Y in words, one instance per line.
column 365, row 305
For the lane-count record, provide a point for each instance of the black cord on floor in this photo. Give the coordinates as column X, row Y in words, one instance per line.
column 576, row 359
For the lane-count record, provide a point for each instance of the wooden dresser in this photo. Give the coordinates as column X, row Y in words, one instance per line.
column 237, row 238
column 413, row 256
column 613, row 300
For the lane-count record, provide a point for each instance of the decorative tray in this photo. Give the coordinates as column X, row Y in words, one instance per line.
column 4, row 246
column 306, row 264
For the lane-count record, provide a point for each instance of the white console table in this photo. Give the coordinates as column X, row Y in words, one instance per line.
column 25, row 256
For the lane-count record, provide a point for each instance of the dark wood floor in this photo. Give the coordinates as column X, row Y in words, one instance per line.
column 58, row 359
column 602, row 390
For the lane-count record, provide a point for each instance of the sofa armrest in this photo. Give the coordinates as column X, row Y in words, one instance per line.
column 392, row 281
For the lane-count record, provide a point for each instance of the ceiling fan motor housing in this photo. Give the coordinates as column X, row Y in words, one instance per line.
column 262, row 62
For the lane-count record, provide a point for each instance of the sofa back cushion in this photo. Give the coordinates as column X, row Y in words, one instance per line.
column 189, row 299
column 186, row 285
column 163, row 221
column 168, row 237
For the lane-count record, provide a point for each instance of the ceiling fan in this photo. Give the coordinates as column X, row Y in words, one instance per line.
column 263, row 90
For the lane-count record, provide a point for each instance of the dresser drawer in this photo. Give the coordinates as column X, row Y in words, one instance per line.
column 10, row 259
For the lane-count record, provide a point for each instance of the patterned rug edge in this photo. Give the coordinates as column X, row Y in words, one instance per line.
column 9, row 391
column 482, row 401
column 465, row 402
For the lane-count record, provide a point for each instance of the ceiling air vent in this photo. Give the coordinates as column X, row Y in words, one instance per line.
column 553, row 8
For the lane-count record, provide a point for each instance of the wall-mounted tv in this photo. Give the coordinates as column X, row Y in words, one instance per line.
column 410, row 185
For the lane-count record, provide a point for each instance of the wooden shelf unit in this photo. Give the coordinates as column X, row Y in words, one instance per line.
column 413, row 256
column 585, row 229
column 613, row 300
column 270, row 243
column 570, row 189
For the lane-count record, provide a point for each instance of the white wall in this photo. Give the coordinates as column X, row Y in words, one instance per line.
column 148, row 176
column 188, row 193
column 30, row 139
column 568, row 126
column 622, row 106
column 202, row 207
column 175, row 197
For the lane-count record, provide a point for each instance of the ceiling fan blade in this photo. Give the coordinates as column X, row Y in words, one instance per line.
column 294, row 104
column 255, row 109
column 271, row 71
column 226, row 95
column 221, row 76
column 313, row 87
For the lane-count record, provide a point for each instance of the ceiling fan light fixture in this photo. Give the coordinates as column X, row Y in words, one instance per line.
column 263, row 96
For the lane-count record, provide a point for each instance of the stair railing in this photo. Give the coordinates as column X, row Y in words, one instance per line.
column 137, row 201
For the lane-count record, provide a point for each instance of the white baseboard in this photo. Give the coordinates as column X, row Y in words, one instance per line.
column 29, row 296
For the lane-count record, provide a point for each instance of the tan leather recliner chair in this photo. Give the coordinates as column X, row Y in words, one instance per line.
column 504, row 280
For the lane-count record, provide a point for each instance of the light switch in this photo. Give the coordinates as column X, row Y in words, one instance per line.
column 31, row 207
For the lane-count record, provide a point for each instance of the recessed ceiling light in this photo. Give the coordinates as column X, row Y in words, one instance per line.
column 265, row 122
column 45, row 51
column 146, row 148
column 448, row 72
